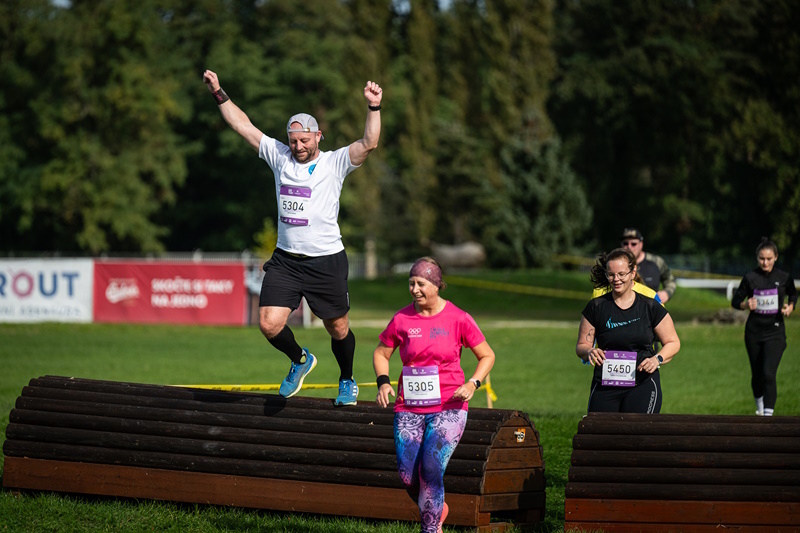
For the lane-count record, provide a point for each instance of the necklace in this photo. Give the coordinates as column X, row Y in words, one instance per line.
column 435, row 310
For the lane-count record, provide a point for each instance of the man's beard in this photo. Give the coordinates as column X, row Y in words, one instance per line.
column 302, row 157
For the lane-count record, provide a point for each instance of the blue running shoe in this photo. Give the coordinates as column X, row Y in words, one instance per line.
column 348, row 392
column 294, row 381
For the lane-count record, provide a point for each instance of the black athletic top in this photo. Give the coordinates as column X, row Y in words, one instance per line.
column 631, row 329
column 771, row 289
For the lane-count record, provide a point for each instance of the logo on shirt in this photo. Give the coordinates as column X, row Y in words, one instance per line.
column 438, row 332
column 612, row 325
column 414, row 333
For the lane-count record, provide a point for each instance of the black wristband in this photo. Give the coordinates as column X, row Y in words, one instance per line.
column 220, row 96
column 374, row 107
column 383, row 379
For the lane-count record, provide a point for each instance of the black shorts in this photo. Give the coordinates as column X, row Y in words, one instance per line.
column 642, row 398
column 321, row 280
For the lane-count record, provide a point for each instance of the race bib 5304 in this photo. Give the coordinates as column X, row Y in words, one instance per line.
column 293, row 204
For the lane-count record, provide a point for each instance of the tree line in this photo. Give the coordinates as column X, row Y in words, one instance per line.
column 531, row 126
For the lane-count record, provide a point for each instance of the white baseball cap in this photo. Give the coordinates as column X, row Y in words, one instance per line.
column 307, row 122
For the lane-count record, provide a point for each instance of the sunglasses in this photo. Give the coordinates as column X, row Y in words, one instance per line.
column 631, row 243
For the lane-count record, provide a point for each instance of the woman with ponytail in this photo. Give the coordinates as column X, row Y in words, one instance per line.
column 762, row 292
column 617, row 336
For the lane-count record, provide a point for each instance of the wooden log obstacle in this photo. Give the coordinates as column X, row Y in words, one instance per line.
column 259, row 451
column 639, row 472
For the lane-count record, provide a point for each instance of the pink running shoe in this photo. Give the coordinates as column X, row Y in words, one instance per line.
column 445, row 510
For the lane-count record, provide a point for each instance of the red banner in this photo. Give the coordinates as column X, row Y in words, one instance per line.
column 175, row 293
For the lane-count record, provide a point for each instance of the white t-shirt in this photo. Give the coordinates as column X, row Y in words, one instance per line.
column 308, row 197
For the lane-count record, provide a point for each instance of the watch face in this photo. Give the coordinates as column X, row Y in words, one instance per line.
column 660, row 359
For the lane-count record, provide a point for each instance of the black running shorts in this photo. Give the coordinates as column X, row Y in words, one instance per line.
column 643, row 398
column 321, row 280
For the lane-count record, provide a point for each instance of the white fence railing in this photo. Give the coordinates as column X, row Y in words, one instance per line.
column 729, row 285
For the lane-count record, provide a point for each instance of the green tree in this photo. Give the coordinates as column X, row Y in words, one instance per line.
column 499, row 65
column 518, row 66
column 464, row 156
column 762, row 142
column 417, row 100
column 541, row 210
column 367, row 47
column 101, row 153
column 23, row 49
column 228, row 190
column 683, row 115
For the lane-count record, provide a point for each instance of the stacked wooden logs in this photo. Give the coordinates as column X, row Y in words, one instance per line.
column 634, row 472
column 256, row 450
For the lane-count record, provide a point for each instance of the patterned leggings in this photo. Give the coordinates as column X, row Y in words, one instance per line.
column 424, row 445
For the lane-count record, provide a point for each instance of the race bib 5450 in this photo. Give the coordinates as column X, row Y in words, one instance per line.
column 619, row 369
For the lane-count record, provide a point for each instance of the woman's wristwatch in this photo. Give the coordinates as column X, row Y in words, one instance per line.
column 477, row 383
column 660, row 359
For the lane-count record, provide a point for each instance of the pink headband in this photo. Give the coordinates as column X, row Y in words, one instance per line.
column 427, row 270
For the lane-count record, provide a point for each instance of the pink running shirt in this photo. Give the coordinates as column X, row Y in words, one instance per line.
column 433, row 341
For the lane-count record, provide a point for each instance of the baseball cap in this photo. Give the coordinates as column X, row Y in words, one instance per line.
column 308, row 123
column 631, row 233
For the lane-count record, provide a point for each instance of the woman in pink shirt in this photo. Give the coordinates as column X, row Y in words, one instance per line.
column 432, row 395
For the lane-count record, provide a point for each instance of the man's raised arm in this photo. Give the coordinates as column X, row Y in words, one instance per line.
column 235, row 117
column 360, row 149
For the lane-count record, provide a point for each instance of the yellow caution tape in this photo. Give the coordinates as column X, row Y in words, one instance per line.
column 518, row 289
column 271, row 386
column 275, row 386
column 490, row 393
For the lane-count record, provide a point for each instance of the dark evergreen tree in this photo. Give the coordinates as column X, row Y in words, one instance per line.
column 682, row 115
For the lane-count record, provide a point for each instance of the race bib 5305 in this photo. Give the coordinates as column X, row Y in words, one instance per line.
column 421, row 386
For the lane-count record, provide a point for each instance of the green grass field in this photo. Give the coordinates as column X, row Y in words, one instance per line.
column 536, row 372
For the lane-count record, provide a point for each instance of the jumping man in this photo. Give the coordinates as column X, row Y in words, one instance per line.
column 310, row 260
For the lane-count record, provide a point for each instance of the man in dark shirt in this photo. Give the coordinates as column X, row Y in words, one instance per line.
column 652, row 268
